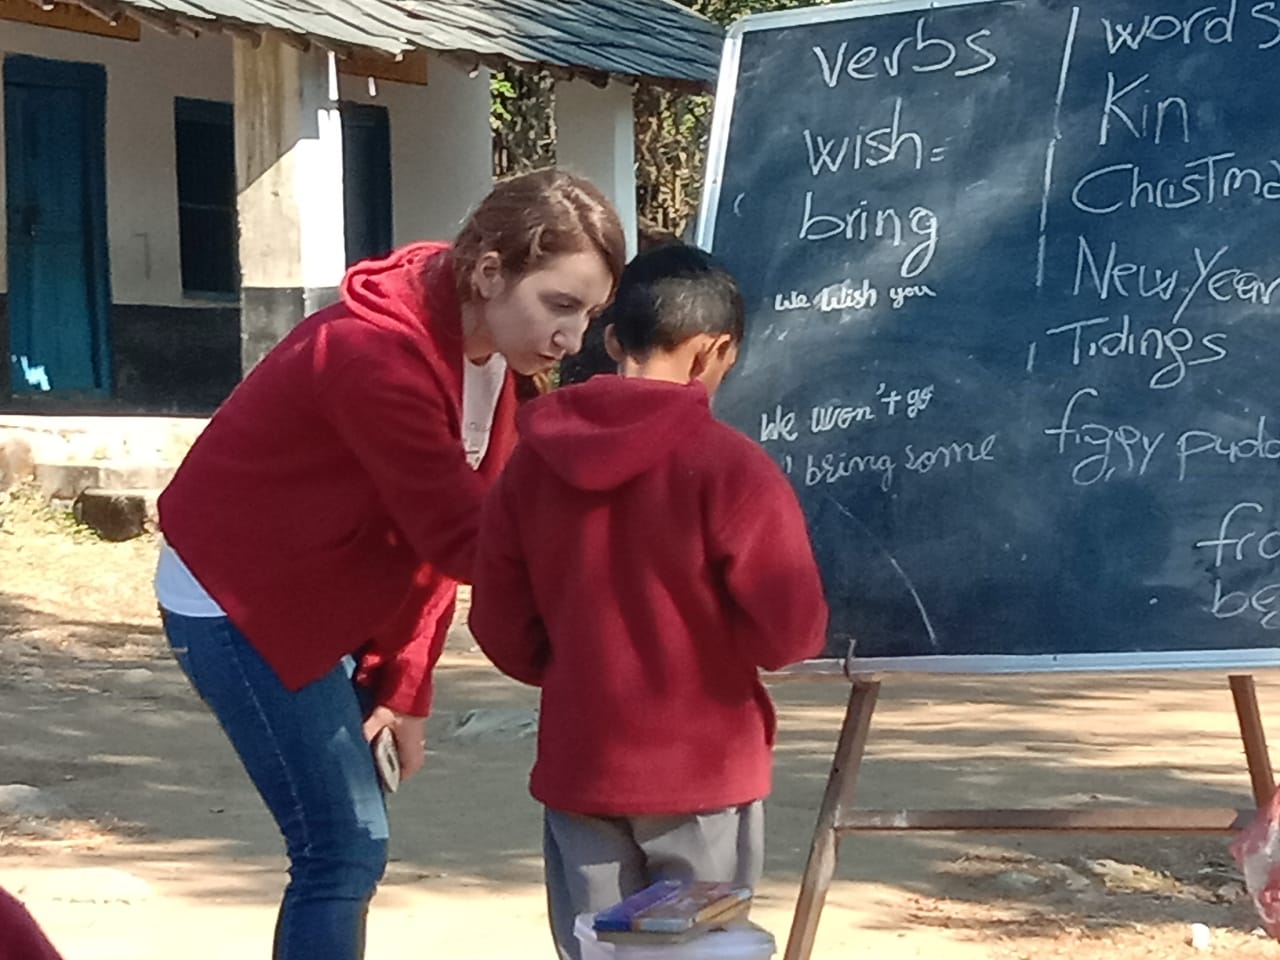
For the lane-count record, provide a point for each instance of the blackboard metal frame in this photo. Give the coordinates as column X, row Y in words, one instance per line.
column 856, row 667
column 726, row 88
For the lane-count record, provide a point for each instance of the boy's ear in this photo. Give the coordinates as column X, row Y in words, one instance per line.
column 713, row 359
column 715, row 354
column 703, row 356
column 487, row 279
column 612, row 346
column 727, row 349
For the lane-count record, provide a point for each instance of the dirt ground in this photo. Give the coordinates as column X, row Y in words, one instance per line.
column 157, row 846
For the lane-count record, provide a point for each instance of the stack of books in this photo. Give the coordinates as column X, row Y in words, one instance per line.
column 671, row 912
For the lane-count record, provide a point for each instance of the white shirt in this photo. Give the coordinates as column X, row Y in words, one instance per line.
column 481, row 387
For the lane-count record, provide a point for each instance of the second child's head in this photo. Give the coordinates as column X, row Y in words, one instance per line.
column 677, row 316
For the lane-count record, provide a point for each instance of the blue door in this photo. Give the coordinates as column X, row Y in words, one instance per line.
column 366, row 180
column 56, row 213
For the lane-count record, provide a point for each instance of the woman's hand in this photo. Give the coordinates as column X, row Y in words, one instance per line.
column 410, row 734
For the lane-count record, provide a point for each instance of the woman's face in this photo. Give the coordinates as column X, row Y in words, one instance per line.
column 535, row 319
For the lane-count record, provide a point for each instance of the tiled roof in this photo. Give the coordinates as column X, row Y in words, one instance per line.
column 656, row 40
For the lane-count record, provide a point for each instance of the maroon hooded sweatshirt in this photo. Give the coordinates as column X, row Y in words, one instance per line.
column 328, row 506
column 20, row 936
column 640, row 561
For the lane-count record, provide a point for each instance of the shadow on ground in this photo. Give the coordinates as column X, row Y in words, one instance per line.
column 98, row 715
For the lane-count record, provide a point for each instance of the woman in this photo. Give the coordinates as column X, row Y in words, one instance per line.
column 332, row 503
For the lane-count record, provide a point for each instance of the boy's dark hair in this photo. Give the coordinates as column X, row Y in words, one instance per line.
column 671, row 294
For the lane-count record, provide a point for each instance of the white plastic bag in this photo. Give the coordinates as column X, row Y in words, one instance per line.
column 1257, row 849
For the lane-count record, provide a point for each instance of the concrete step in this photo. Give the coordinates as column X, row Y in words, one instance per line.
column 17, row 461
column 64, row 456
column 117, row 514
column 66, row 481
column 128, row 440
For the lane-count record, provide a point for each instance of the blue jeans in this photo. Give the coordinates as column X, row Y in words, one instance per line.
column 307, row 755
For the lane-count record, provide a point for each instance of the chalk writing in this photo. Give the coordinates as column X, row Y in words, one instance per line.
column 1208, row 25
column 917, row 227
column 1131, row 105
column 1262, row 601
column 949, row 454
column 1213, row 179
column 836, row 297
column 778, row 425
column 845, row 295
column 879, row 146
column 1109, row 448
column 832, row 417
column 1258, row 445
column 1176, row 348
column 900, row 295
column 792, row 300
column 917, row 52
column 848, row 296
column 1237, row 540
column 836, row 466
column 1264, row 547
column 1111, row 276
column 781, row 424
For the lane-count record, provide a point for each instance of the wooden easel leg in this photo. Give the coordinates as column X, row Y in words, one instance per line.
column 821, row 866
column 1255, row 738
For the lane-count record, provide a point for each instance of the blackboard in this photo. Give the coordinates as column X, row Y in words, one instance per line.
column 1012, row 272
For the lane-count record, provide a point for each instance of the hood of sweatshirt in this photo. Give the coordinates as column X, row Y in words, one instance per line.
column 412, row 291
column 603, row 433
column 398, row 290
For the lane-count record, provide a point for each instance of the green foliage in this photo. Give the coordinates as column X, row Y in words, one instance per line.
column 725, row 12
column 503, row 92
column 671, row 129
column 672, row 132
column 522, row 120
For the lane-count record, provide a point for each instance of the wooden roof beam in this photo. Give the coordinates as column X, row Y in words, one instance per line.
column 174, row 26
column 108, row 12
column 289, row 39
column 252, row 35
column 600, row 78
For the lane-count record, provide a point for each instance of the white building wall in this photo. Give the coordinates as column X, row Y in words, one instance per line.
column 595, row 138
column 440, row 142
column 143, row 77
column 441, row 147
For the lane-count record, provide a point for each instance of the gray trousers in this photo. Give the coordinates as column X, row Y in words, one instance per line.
column 593, row 862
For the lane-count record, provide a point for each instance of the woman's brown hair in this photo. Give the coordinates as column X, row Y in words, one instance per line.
column 533, row 217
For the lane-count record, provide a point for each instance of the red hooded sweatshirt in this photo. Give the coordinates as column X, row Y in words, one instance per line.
column 639, row 561
column 20, row 936
column 328, row 505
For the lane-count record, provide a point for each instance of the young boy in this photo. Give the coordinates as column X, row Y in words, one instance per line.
column 639, row 561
